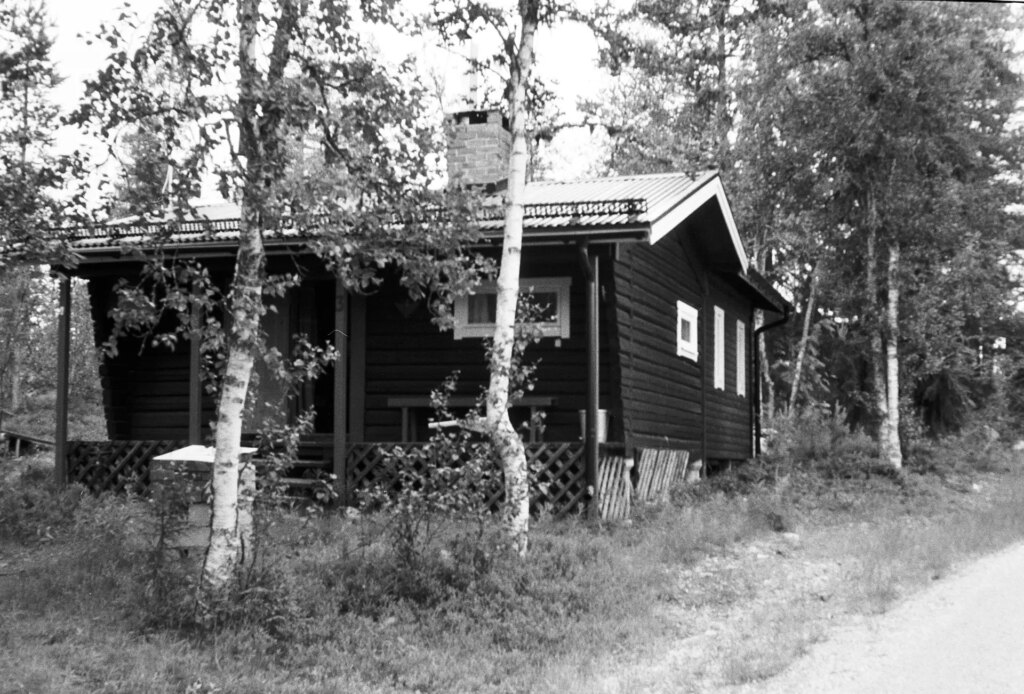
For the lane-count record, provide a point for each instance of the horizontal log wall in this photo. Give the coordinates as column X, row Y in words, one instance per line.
column 729, row 415
column 410, row 356
column 660, row 392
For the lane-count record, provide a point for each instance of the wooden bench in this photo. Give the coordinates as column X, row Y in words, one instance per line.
column 409, row 403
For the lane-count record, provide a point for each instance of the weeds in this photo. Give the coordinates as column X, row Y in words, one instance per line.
column 335, row 606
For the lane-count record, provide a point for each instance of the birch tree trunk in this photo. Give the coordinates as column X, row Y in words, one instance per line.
column 877, row 357
column 257, row 142
column 767, row 385
column 801, row 354
column 891, row 444
column 516, row 512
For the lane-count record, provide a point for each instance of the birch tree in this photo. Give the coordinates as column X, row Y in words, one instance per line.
column 523, row 97
column 890, row 120
column 286, row 107
column 516, row 512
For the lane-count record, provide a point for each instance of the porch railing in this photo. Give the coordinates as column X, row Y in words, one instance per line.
column 557, row 469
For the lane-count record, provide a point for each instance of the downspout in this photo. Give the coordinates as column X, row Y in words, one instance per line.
column 704, row 349
column 757, row 374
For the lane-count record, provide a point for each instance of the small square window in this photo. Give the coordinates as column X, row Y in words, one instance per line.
column 686, row 331
column 475, row 313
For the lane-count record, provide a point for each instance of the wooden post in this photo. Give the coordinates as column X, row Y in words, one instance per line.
column 60, row 462
column 593, row 379
column 340, row 424
column 357, row 369
column 195, row 381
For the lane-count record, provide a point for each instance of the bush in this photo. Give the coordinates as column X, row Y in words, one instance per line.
column 33, row 510
column 822, row 441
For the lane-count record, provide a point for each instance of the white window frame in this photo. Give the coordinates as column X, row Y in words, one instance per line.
column 687, row 348
column 741, row 358
column 719, row 348
column 527, row 285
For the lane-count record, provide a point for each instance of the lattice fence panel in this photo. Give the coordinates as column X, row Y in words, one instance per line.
column 557, row 469
column 117, row 466
column 559, row 476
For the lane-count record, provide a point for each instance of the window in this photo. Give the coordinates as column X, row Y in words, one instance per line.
column 741, row 358
column 719, row 348
column 475, row 313
column 686, row 331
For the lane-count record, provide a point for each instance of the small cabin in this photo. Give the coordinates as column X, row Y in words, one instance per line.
column 649, row 330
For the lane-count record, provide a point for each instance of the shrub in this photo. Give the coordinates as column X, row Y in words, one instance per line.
column 31, row 509
column 822, row 441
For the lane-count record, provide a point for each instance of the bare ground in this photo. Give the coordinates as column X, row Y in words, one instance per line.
column 963, row 635
column 803, row 614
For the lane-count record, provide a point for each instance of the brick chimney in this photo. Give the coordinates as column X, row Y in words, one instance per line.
column 479, row 143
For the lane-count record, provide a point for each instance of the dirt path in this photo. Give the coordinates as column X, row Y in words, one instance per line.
column 963, row 635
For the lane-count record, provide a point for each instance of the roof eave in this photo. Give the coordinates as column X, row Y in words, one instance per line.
column 703, row 189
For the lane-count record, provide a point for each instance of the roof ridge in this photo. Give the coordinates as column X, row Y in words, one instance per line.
column 697, row 175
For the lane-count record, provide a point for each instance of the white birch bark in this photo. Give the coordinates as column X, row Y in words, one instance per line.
column 801, row 354
column 767, row 386
column 225, row 549
column 876, row 322
column 891, row 444
column 516, row 512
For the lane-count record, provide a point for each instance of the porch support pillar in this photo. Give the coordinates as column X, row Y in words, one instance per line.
column 357, row 369
column 195, row 381
column 340, row 424
column 60, row 448
column 591, row 268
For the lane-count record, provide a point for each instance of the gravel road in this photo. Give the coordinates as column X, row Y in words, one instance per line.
column 963, row 635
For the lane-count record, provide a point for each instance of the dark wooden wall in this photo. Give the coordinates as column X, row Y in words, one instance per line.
column 649, row 391
column 729, row 416
column 661, row 394
column 145, row 387
column 408, row 357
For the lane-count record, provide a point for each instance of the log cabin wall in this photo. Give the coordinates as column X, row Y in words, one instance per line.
column 660, row 392
column 408, row 356
column 729, row 414
column 145, row 387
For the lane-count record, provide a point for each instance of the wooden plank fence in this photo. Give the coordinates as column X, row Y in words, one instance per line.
column 615, row 491
column 657, row 469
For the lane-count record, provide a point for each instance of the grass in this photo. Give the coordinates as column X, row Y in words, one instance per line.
column 705, row 591
column 35, row 418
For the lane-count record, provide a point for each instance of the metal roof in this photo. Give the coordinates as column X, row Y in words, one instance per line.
column 641, row 199
column 639, row 207
column 610, row 204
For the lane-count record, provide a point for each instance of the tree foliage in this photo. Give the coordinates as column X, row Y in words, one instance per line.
column 29, row 173
column 303, row 125
column 839, row 123
column 889, row 117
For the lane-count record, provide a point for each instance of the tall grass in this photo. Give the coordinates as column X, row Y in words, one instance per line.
column 334, row 609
